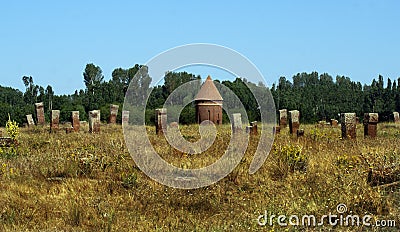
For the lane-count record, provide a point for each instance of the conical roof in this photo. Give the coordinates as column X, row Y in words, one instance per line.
column 208, row 91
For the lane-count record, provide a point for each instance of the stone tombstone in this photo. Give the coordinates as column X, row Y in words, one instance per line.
column 248, row 129
column 75, row 121
column 334, row 123
column 174, row 125
column 321, row 123
column 161, row 120
column 113, row 114
column 253, row 130
column 277, row 129
column 54, row 120
column 40, row 113
column 94, row 121
column 69, row 130
column 396, row 117
column 125, row 116
column 283, row 118
column 370, row 124
column 29, row 118
column 300, row 132
column 237, row 123
column 294, row 121
column 348, row 123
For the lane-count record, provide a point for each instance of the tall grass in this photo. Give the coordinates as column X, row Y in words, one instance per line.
column 87, row 182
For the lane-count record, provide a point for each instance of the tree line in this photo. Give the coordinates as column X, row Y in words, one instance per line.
column 320, row 97
column 316, row 96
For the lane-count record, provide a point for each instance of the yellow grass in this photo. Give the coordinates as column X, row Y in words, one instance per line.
column 89, row 182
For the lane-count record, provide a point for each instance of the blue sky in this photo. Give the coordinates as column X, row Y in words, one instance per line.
column 52, row 41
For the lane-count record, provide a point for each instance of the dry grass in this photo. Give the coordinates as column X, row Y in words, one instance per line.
column 86, row 182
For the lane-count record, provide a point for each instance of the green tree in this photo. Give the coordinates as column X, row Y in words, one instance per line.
column 93, row 78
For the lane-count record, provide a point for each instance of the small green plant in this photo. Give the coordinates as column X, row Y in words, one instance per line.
column 12, row 128
column 129, row 181
column 316, row 134
column 12, row 131
column 288, row 158
column 296, row 160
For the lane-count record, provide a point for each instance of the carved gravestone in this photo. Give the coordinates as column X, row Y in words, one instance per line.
column 40, row 113
column 348, row 122
column 30, row 121
column 174, row 125
column 370, row 124
column 277, row 129
column 248, row 129
column 94, row 121
column 113, row 114
column 294, row 121
column 75, row 121
column 69, row 130
column 283, row 118
column 125, row 116
column 396, row 117
column 237, row 123
column 334, row 123
column 161, row 121
column 300, row 132
column 253, row 130
column 54, row 120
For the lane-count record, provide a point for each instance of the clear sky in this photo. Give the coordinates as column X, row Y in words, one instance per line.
column 52, row 41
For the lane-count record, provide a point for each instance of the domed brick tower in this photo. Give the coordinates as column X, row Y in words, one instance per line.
column 208, row 103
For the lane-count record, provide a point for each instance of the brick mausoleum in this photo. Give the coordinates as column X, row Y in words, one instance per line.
column 209, row 103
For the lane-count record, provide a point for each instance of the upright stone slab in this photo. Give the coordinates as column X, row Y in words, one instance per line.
column 300, row 132
column 76, row 124
column 253, row 130
column 277, row 129
column 348, row 122
column 69, row 130
column 396, row 117
column 161, row 121
column 294, row 121
column 94, row 121
column 237, row 123
column 370, row 124
column 54, row 120
column 334, row 123
column 30, row 121
column 248, row 129
column 113, row 114
column 125, row 116
column 40, row 113
column 283, row 118
column 174, row 125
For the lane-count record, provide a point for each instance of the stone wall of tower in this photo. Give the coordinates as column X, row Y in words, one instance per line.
column 209, row 110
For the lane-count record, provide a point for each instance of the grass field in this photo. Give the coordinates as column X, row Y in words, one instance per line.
column 89, row 182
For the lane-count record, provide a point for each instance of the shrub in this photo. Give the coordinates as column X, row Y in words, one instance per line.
column 288, row 158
